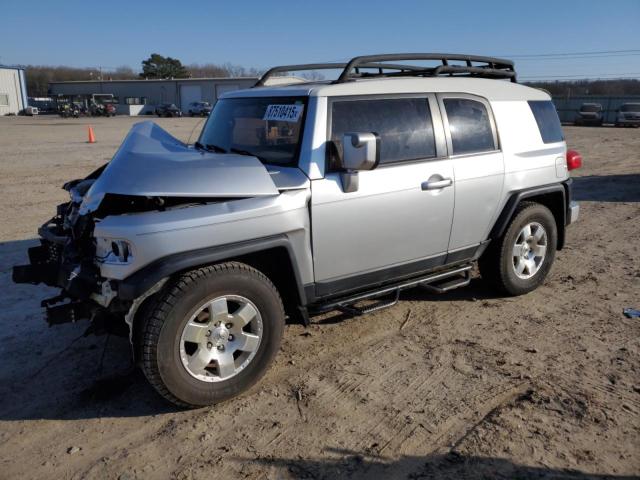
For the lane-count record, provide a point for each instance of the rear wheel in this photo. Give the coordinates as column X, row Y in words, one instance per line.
column 212, row 334
column 520, row 260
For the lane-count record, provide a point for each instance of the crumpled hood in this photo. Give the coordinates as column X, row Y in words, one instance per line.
column 151, row 162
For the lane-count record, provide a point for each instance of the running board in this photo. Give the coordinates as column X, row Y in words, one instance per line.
column 447, row 285
column 357, row 311
column 346, row 304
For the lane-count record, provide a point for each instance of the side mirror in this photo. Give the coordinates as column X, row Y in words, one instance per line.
column 361, row 151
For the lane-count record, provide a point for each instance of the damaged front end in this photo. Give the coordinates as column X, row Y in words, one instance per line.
column 121, row 216
column 65, row 258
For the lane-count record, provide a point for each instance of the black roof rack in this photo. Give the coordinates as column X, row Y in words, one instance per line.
column 474, row 66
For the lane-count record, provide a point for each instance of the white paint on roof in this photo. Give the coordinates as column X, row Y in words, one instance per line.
column 495, row 90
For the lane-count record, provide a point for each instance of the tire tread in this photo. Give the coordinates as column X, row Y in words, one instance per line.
column 165, row 304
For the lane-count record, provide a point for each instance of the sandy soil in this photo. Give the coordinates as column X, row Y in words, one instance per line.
column 464, row 385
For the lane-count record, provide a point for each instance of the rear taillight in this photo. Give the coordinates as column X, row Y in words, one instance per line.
column 574, row 160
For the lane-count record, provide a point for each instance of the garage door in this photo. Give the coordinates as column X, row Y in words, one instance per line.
column 189, row 94
column 220, row 89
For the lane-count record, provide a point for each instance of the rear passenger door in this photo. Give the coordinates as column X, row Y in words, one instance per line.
column 478, row 164
column 395, row 224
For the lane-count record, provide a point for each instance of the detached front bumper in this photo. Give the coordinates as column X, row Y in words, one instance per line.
column 56, row 262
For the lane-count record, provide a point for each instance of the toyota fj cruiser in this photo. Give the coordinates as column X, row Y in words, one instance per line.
column 306, row 198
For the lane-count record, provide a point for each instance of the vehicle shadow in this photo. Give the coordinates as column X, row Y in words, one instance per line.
column 354, row 465
column 607, row 188
column 58, row 373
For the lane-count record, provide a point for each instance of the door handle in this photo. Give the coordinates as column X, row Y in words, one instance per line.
column 438, row 184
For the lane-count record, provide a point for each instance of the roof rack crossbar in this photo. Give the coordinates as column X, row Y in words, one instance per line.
column 490, row 68
column 329, row 66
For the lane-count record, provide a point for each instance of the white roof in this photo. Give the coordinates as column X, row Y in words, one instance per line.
column 496, row 90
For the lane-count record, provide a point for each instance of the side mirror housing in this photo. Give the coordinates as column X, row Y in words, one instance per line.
column 361, row 151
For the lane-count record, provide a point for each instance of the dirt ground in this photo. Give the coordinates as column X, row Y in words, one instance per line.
column 462, row 385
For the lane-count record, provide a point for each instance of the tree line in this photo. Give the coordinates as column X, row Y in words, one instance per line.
column 156, row 66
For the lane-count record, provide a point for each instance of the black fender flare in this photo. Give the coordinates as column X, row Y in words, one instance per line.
column 560, row 213
column 142, row 280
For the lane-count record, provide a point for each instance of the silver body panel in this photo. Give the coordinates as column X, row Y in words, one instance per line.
column 155, row 235
column 390, row 220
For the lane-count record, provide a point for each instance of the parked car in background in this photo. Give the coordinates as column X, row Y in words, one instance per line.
column 628, row 115
column 102, row 110
column 168, row 110
column 590, row 114
column 199, row 108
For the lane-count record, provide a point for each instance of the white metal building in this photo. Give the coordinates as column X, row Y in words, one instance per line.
column 13, row 90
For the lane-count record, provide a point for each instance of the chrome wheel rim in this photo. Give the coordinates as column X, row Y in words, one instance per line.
column 221, row 338
column 529, row 250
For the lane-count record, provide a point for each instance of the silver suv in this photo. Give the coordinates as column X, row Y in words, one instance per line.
column 305, row 198
column 628, row 115
column 199, row 108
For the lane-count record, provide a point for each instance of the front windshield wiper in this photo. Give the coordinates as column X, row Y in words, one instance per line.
column 245, row 152
column 210, row 147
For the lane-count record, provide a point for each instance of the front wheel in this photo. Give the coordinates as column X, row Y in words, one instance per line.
column 212, row 334
column 520, row 260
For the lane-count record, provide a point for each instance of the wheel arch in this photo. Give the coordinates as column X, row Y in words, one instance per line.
column 554, row 197
column 273, row 256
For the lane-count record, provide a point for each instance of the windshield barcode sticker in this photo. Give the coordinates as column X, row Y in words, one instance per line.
column 283, row 113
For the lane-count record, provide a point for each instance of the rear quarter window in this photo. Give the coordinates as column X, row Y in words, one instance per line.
column 544, row 111
column 469, row 126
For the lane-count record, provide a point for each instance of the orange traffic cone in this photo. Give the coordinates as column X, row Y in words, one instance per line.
column 92, row 137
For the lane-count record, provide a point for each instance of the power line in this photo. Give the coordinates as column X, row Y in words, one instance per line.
column 609, row 76
column 546, row 59
column 572, row 54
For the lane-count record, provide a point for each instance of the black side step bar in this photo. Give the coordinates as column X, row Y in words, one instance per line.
column 345, row 304
column 449, row 284
column 356, row 311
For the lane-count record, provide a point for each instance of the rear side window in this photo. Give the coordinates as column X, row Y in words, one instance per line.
column 469, row 126
column 547, row 119
column 403, row 124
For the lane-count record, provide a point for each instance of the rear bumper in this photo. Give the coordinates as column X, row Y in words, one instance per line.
column 630, row 122
column 573, row 212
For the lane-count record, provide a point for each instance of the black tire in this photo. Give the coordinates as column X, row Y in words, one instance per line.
column 497, row 263
column 164, row 323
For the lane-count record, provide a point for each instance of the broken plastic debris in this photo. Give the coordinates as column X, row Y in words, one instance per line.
column 631, row 312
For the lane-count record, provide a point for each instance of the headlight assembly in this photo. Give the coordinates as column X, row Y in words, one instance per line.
column 114, row 251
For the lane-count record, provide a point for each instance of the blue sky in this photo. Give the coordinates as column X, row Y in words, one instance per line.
column 265, row 33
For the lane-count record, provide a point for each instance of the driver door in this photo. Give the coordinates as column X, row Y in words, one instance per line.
column 396, row 223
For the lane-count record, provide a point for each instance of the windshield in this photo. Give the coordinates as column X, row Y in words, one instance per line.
column 630, row 107
column 590, row 108
column 266, row 127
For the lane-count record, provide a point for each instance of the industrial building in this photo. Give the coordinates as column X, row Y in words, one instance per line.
column 13, row 90
column 139, row 97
